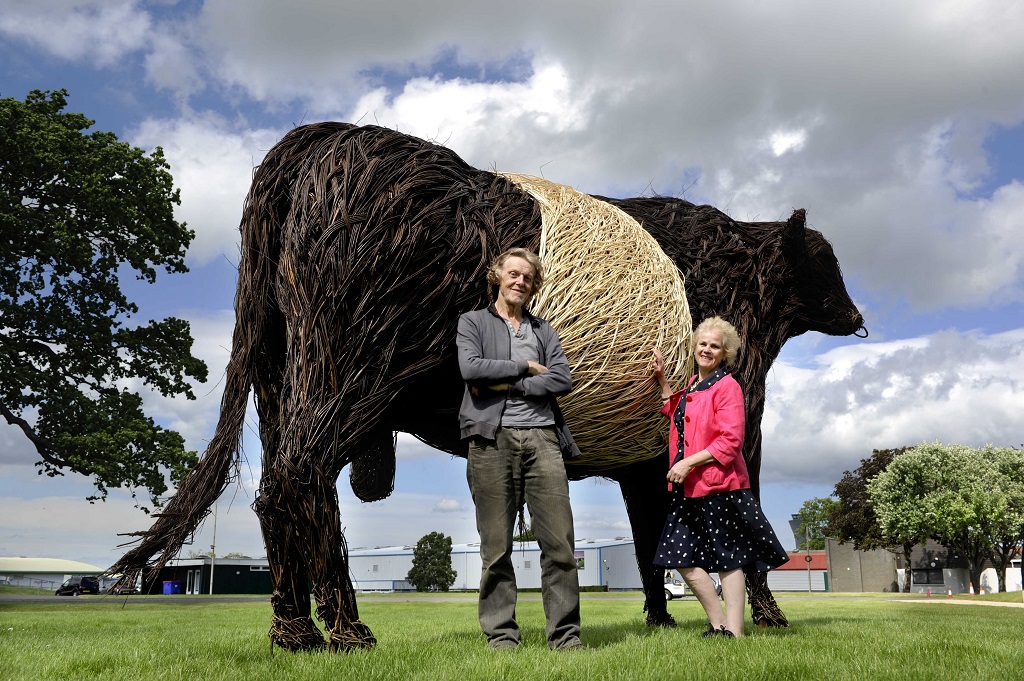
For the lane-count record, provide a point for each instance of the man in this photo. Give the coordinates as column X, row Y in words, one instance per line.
column 514, row 368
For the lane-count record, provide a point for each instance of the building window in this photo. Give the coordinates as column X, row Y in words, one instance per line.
column 923, row 576
column 259, row 568
column 526, row 565
column 374, row 568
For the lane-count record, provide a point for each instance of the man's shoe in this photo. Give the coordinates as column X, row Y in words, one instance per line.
column 504, row 644
column 571, row 644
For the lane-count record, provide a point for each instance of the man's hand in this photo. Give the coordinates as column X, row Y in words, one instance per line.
column 496, row 388
column 536, row 369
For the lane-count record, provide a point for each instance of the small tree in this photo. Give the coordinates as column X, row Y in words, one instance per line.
column 432, row 563
column 813, row 517
column 525, row 535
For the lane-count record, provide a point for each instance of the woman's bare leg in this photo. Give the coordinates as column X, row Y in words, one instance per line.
column 703, row 587
column 734, row 591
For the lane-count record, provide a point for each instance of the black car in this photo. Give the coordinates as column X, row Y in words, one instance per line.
column 79, row 585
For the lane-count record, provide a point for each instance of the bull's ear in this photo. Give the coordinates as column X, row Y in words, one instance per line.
column 797, row 225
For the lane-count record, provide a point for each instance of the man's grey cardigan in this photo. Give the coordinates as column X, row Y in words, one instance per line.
column 485, row 358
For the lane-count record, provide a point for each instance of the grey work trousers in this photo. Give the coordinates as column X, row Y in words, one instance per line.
column 524, row 464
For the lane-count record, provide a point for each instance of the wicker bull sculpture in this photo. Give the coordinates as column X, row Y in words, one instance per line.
column 361, row 246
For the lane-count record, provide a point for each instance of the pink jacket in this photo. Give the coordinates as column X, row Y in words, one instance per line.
column 715, row 421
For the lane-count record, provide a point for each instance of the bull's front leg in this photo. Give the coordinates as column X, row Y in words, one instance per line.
column 763, row 608
column 645, row 493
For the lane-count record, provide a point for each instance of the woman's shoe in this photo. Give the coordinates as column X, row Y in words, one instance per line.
column 711, row 631
column 722, row 631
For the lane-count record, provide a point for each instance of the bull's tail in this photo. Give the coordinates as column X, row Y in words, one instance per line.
column 204, row 483
column 252, row 346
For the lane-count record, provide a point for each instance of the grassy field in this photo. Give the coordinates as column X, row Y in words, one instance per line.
column 834, row 636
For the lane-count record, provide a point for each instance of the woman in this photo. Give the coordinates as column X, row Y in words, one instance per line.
column 715, row 524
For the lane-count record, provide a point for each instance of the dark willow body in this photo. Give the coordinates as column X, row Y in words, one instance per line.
column 360, row 248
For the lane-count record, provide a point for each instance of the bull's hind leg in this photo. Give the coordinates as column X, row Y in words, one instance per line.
column 326, row 558
column 292, row 626
column 302, row 531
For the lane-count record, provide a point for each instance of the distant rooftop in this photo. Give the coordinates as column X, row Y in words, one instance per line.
column 23, row 565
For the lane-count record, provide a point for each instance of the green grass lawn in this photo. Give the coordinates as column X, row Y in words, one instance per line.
column 840, row 636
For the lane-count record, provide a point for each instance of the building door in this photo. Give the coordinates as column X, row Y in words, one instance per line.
column 194, row 581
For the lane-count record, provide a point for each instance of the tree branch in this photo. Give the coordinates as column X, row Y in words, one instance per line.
column 42, row 445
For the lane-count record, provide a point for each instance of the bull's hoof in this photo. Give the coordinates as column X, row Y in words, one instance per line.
column 763, row 608
column 353, row 636
column 769, row 620
column 296, row 635
column 661, row 619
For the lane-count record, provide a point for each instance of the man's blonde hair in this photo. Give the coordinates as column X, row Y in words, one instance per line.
column 494, row 271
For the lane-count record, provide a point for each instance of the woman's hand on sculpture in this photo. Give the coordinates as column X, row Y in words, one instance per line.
column 658, row 364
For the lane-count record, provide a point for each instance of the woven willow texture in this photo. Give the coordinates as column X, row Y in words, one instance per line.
column 613, row 296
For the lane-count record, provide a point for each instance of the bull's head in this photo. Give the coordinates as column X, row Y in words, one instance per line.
column 819, row 300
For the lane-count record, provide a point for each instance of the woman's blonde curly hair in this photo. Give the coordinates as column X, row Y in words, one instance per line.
column 730, row 337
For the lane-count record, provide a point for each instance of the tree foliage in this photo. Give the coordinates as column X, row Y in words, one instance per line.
column 950, row 493
column 813, row 517
column 853, row 518
column 432, row 563
column 526, row 534
column 78, row 213
column 1008, row 533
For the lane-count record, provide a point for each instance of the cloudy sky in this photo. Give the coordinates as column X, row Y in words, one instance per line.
column 898, row 126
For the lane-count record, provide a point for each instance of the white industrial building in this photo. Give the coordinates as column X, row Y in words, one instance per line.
column 605, row 563
column 609, row 563
column 42, row 573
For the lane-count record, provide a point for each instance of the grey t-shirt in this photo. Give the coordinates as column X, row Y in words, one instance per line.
column 526, row 412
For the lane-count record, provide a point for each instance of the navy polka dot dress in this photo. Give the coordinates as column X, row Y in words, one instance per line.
column 719, row 532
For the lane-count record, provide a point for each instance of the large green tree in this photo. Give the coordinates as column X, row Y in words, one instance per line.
column 947, row 492
column 432, row 563
column 1008, row 533
column 813, row 517
column 80, row 213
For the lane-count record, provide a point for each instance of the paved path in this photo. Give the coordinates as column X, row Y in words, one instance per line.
column 957, row 601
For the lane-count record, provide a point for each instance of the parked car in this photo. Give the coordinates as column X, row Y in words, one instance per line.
column 675, row 588
column 123, row 588
column 79, row 585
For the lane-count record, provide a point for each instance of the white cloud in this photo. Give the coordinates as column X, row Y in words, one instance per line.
column 100, row 32
column 448, row 506
column 952, row 386
column 887, row 120
column 212, row 161
column 783, row 142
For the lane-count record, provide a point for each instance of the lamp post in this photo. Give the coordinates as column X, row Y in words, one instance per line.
column 213, row 547
column 807, row 544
